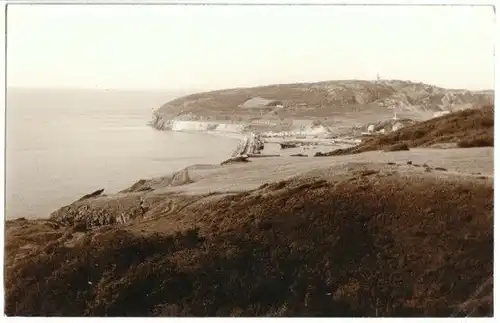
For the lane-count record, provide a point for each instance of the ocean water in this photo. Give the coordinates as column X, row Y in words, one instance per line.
column 63, row 144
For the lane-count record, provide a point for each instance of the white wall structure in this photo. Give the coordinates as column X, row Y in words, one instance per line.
column 440, row 113
column 200, row 126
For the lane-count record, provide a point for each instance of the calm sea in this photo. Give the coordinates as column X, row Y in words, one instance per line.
column 62, row 144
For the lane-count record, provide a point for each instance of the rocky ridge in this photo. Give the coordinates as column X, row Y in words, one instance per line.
column 328, row 101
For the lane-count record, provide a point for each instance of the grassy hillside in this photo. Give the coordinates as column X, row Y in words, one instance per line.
column 468, row 128
column 374, row 243
column 328, row 99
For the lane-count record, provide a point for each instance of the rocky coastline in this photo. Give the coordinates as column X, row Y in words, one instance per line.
column 388, row 225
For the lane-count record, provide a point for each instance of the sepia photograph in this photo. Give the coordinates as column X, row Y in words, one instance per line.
column 212, row 159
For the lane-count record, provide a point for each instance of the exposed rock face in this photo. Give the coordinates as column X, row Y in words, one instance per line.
column 251, row 144
column 129, row 204
column 387, row 125
column 87, row 214
column 237, row 159
column 317, row 101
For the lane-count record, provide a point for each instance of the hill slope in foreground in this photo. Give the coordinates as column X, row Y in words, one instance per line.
column 272, row 237
column 467, row 128
column 328, row 101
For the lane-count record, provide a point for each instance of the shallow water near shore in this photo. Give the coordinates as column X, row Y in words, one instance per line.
column 61, row 145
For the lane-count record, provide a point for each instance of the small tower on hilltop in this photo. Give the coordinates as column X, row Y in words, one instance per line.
column 395, row 117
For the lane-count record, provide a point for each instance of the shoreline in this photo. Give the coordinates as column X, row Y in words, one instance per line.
column 254, row 144
column 321, row 138
column 191, row 174
column 52, row 196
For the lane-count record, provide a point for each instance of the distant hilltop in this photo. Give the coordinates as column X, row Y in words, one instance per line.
column 326, row 101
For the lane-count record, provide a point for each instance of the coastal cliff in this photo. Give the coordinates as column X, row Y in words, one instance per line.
column 332, row 102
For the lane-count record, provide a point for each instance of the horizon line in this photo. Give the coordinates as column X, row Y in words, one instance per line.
column 200, row 90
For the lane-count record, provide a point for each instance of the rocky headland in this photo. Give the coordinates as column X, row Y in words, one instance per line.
column 340, row 105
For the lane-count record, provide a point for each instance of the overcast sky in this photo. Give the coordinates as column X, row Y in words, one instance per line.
column 210, row 47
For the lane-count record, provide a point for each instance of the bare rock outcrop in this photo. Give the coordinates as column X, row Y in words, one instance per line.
column 91, row 213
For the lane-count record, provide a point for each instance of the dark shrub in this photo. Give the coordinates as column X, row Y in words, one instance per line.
column 397, row 147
